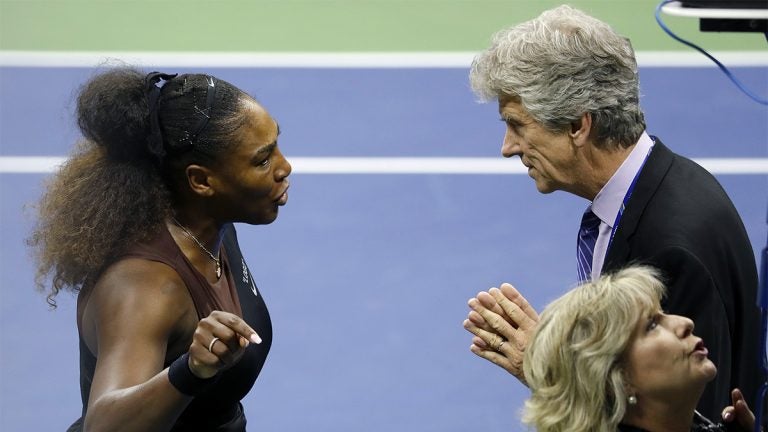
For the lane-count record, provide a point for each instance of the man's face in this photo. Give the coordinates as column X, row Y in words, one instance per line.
column 549, row 157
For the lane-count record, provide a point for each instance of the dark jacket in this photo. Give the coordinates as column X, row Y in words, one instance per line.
column 680, row 220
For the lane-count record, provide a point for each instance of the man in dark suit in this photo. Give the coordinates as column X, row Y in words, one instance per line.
column 680, row 220
column 567, row 88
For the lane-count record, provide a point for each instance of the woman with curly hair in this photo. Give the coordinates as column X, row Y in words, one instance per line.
column 605, row 357
column 138, row 222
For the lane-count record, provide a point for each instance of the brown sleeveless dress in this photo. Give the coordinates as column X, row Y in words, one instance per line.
column 219, row 408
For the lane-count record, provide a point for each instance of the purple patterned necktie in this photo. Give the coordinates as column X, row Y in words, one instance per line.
column 585, row 245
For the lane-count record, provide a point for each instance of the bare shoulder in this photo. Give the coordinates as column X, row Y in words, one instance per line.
column 136, row 295
column 135, row 311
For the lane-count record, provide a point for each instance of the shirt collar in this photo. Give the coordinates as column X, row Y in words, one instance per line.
column 610, row 198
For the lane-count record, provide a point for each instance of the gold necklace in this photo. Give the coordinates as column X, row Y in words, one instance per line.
column 189, row 234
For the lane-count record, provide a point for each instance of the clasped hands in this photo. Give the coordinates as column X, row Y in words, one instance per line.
column 503, row 322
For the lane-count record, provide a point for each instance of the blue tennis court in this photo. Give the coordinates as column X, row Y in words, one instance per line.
column 366, row 275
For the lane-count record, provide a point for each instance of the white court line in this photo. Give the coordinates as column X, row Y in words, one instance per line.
column 397, row 165
column 429, row 59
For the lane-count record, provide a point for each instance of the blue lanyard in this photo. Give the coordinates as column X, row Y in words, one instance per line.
column 626, row 197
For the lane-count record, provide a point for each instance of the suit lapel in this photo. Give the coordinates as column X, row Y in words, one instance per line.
column 651, row 176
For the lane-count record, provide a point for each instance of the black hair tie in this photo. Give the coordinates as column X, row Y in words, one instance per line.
column 153, row 84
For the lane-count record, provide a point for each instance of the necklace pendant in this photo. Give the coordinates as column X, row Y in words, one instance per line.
column 218, row 270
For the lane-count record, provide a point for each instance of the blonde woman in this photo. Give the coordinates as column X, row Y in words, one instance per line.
column 605, row 357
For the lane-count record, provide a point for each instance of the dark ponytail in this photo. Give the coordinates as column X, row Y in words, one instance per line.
column 112, row 113
column 114, row 190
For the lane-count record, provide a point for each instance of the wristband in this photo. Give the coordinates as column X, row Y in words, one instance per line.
column 185, row 381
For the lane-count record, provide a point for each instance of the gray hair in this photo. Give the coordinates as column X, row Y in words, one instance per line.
column 574, row 363
column 560, row 65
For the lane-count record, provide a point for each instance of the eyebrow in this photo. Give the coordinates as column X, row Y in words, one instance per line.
column 267, row 148
column 653, row 314
column 511, row 119
column 271, row 146
column 510, row 116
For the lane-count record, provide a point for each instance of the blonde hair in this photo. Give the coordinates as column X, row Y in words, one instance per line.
column 573, row 364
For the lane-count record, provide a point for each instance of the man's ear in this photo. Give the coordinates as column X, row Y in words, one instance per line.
column 199, row 180
column 580, row 129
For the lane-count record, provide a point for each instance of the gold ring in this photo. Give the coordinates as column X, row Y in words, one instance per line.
column 210, row 345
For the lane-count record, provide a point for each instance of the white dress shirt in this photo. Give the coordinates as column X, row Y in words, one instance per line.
column 611, row 197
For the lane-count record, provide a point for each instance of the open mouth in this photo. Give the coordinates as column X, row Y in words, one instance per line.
column 700, row 348
column 283, row 197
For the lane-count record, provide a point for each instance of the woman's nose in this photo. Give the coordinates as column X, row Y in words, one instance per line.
column 683, row 326
column 283, row 166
